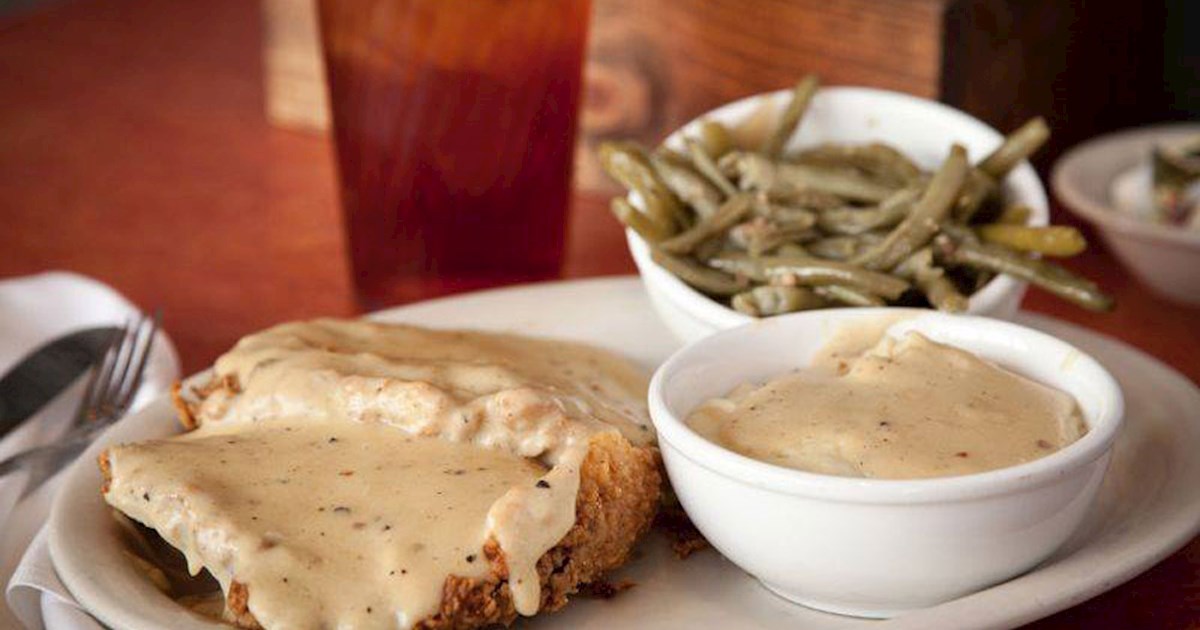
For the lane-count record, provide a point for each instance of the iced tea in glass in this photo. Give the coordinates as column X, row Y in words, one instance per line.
column 455, row 125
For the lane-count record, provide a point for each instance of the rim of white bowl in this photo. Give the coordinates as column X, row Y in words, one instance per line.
column 713, row 312
column 1067, row 171
column 1102, row 431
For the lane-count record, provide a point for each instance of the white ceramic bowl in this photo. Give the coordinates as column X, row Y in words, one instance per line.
column 921, row 128
column 1165, row 258
column 870, row 547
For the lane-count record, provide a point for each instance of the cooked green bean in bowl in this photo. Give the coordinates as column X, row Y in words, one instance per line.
column 839, row 197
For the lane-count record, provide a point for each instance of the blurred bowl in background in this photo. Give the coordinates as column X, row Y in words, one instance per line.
column 1101, row 181
column 921, row 128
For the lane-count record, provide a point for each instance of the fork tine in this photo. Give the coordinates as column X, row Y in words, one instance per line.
column 140, row 356
column 99, row 375
column 121, row 365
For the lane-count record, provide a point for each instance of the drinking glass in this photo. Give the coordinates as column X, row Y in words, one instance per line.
column 455, row 125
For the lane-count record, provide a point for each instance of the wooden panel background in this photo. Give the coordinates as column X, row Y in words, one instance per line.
column 653, row 66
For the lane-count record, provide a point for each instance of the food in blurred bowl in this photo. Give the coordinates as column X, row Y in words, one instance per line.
column 1165, row 188
column 1141, row 189
column 763, row 220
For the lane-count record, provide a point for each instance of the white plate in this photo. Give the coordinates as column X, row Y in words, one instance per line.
column 1149, row 505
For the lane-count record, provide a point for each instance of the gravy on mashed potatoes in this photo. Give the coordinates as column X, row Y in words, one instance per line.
column 907, row 408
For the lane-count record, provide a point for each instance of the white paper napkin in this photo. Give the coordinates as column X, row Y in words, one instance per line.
column 33, row 310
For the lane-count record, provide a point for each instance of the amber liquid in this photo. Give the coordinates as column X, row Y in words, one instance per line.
column 455, row 125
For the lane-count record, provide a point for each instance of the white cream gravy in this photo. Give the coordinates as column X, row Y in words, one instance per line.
column 904, row 409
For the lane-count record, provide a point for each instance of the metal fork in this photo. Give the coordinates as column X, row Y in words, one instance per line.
column 111, row 387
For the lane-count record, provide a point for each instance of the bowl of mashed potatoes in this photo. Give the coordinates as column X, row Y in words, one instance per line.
column 874, row 461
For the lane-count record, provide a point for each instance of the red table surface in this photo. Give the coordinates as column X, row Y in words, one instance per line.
column 133, row 148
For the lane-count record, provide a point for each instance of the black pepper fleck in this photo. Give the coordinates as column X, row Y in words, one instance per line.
column 542, row 483
column 145, row 496
column 471, row 557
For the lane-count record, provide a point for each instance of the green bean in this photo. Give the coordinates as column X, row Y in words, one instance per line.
column 761, row 235
column 808, row 200
column 961, row 233
column 730, row 213
column 708, row 249
column 814, row 272
column 849, row 296
column 932, row 281
column 771, row 300
column 978, row 188
column 741, row 265
column 851, row 221
column 780, row 180
column 958, row 232
column 877, row 160
column 922, row 223
column 1016, row 214
column 705, row 165
column 702, row 278
column 715, row 139
column 791, row 249
column 783, row 214
column 688, row 185
column 791, row 270
column 1055, row 240
column 835, row 247
column 1000, row 259
column 802, row 96
column 636, row 221
column 671, row 155
column 941, row 292
column 629, row 165
column 920, row 260
column 844, row 247
column 1018, row 146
